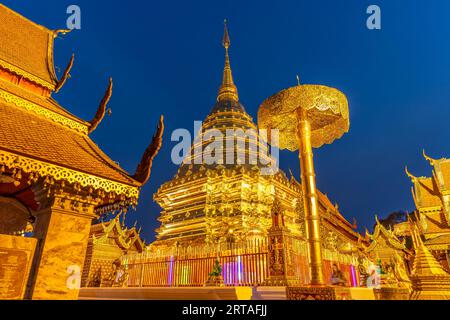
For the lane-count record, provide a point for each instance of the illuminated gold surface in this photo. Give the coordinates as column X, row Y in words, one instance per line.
column 27, row 48
column 430, row 281
column 307, row 116
column 208, row 203
column 227, row 90
column 231, row 204
column 64, row 234
column 310, row 200
column 108, row 242
column 43, row 169
column 326, row 108
column 42, row 111
column 47, row 156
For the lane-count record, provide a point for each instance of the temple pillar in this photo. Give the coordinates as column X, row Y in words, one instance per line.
column 62, row 229
column 311, row 207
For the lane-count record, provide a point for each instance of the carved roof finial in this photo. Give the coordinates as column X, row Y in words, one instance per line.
column 413, row 178
column 62, row 31
column 429, row 159
column 144, row 168
column 101, row 108
column 65, row 75
column 367, row 234
column 226, row 38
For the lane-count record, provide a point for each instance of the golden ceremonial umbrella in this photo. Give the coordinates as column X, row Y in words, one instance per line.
column 307, row 116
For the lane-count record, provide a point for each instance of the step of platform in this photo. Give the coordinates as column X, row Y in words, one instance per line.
column 162, row 293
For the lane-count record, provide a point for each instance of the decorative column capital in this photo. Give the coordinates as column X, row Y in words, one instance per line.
column 61, row 198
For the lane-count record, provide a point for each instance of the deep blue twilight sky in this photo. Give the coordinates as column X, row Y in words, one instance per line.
column 166, row 57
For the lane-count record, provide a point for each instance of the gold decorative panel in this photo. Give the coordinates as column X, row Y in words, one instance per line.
column 60, row 173
column 37, row 109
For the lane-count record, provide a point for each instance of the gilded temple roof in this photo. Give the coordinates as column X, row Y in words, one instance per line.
column 40, row 137
column 441, row 242
column 445, row 169
column 441, row 173
column 427, row 192
column 48, row 103
column 124, row 237
column 26, row 48
column 383, row 236
column 51, row 142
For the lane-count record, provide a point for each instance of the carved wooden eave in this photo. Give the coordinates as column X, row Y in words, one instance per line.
column 51, row 174
column 72, row 123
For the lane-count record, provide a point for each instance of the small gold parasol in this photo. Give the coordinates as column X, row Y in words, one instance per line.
column 307, row 116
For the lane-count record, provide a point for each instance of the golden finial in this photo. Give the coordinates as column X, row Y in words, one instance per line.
column 61, row 31
column 431, row 160
column 226, row 38
column 413, row 178
column 227, row 90
column 66, row 74
column 367, row 234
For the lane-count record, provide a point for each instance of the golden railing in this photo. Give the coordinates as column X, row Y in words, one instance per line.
column 243, row 264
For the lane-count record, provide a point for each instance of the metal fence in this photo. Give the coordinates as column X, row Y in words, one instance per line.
column 243, row 264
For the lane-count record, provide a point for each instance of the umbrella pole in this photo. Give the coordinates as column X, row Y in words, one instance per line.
column 312, row 217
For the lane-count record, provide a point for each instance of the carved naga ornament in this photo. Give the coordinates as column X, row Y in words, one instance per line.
column 143, row 170
column 65, row 75
column 101, row 108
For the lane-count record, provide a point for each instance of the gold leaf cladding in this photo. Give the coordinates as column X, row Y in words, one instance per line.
column 37, row 109
column 43, row 169
column 326, row 108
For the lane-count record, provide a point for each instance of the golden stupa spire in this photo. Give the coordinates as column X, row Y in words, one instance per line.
column 227, row 90
column 424, row 263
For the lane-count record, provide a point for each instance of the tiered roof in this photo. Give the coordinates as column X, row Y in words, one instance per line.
column 384, row 237
column 125, row 238
column 431, row 194
column 41, row 139
column 27, row 48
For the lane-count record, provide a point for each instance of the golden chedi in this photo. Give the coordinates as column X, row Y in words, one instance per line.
column 225, row 209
